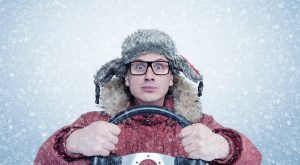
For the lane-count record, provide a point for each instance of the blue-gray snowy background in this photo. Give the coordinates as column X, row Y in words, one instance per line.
column 248, row 52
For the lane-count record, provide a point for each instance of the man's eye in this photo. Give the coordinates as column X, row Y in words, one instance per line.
column 158, row 66
column 140, row 67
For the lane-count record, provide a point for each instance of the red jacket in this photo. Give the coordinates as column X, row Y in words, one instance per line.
column 153, row 136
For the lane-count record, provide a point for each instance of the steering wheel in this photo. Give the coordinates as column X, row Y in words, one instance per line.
column 137, row 158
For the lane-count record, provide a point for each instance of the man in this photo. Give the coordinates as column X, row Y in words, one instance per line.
column 148, row 73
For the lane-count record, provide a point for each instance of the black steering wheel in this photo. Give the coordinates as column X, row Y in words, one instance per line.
column 137, row 158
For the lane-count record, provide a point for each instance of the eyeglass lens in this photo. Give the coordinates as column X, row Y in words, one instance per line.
column 158, row 67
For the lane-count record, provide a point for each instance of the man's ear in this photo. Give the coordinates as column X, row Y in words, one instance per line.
column 171, row 80
column 126, row 80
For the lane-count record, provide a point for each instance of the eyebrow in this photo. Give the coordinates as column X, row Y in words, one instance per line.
column 160, row 59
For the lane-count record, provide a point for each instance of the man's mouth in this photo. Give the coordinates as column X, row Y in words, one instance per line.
column 149, row 88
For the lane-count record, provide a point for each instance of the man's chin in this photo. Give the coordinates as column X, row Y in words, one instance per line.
column 150, row 101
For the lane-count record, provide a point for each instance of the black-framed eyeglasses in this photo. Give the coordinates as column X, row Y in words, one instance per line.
column 141, row 67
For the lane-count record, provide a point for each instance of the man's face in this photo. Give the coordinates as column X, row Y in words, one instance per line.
column 149, row 88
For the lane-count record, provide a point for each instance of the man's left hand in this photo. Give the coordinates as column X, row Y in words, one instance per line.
column 201, row 143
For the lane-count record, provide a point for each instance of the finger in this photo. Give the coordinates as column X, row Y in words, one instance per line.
column 190, row 148
column 109, row 127
column 187, row 141
column 186, row 131
column 198, row 154
column 103, row 152
column 111, row 138
column 97, row 150
column 194, row 155
column 108, row 146
column 114, row 129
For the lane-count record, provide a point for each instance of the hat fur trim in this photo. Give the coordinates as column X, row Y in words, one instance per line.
column 186, row 103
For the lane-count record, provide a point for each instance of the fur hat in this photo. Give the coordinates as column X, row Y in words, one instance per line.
column 146, row 41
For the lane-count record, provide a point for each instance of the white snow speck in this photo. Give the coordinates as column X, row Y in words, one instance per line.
column 12, row 75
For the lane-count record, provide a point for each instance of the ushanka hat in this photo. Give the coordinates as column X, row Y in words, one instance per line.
column 146, row 41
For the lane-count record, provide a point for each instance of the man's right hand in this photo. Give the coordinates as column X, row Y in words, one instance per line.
column 98, row 138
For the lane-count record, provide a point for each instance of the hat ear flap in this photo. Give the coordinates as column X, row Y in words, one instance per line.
column 189, row 70
column 191, row 73
column 104, row 75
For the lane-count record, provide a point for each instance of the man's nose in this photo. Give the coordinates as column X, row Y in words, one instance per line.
column 149, row 75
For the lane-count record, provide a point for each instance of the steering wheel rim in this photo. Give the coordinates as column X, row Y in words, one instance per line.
column 137, row 110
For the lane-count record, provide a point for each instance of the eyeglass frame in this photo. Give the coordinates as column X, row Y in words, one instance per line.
column 149, row 64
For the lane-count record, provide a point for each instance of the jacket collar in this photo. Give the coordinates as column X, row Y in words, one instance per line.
column 183, row 100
